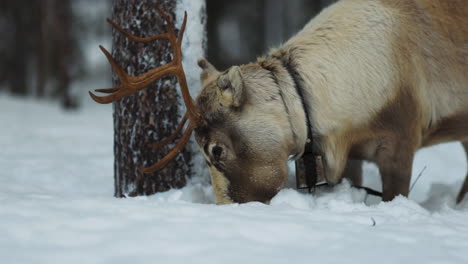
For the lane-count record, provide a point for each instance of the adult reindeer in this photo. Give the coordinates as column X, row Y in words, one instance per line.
column 366, row 79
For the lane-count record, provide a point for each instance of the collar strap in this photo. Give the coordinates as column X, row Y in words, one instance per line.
column 309, row 167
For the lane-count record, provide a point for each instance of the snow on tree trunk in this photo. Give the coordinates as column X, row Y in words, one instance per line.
column 153, row 113
column 194, row 47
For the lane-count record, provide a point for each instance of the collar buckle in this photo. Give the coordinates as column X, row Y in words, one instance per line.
column 310, row 171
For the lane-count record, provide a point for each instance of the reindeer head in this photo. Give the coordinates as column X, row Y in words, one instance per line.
column 245, row 135
column 239, row 118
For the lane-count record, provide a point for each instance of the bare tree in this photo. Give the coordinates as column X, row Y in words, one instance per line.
column 39, row 40
column 19, row 18
column 65, row 50
column 153, row 113
column 42, row 48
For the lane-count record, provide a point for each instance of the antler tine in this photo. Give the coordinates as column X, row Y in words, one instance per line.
column 173, row 135
column 109, row 90
column 173, row 153
column 193, row 111
column 167, row 18
column 120, row 72
column 136, row 38
column 131, row 84
column 182, row 29
column 115, row 93
column 142, row 80
column 111, row 97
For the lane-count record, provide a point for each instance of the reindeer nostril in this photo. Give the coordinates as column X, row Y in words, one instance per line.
column 217, row 151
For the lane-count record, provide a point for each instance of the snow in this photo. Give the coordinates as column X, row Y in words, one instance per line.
column 56, row 206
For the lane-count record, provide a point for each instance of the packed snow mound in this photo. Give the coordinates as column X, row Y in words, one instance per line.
column 56, row 187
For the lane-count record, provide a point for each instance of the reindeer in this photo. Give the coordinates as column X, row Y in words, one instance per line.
column 371, row 80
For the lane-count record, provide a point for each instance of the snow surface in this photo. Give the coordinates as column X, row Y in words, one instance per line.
column 56, row 206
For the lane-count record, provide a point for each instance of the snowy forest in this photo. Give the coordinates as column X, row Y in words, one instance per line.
column 83, row 178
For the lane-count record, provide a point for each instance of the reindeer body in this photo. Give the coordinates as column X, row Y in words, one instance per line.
column 384, row 78
column 381, row 79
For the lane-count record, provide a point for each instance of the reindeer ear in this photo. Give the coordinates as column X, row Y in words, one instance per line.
column 231, row 87
column 208, row 69
column 205, row 65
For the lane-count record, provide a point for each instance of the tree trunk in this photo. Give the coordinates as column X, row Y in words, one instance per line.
column 18, row 62
column 153, row 113
column 42, row 51
column 65, row 51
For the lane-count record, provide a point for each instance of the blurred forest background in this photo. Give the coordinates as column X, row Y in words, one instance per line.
column 49, row 48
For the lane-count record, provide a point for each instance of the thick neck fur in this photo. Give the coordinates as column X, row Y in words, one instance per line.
column 291, row 101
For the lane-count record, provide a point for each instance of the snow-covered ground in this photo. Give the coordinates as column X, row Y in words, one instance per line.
column 56, row 206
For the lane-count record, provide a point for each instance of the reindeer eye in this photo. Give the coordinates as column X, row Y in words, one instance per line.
column 217, row 151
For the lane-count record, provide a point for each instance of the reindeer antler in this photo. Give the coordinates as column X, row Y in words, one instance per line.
column 132, row 84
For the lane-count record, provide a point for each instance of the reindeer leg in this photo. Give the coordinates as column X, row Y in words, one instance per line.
column 464, row 189
column 396, row 178
column 353, row 171
column 395, row 162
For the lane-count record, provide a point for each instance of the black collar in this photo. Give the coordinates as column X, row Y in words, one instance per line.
column 309, row 167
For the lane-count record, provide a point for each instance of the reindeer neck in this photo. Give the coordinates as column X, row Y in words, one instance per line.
column 282, row 65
